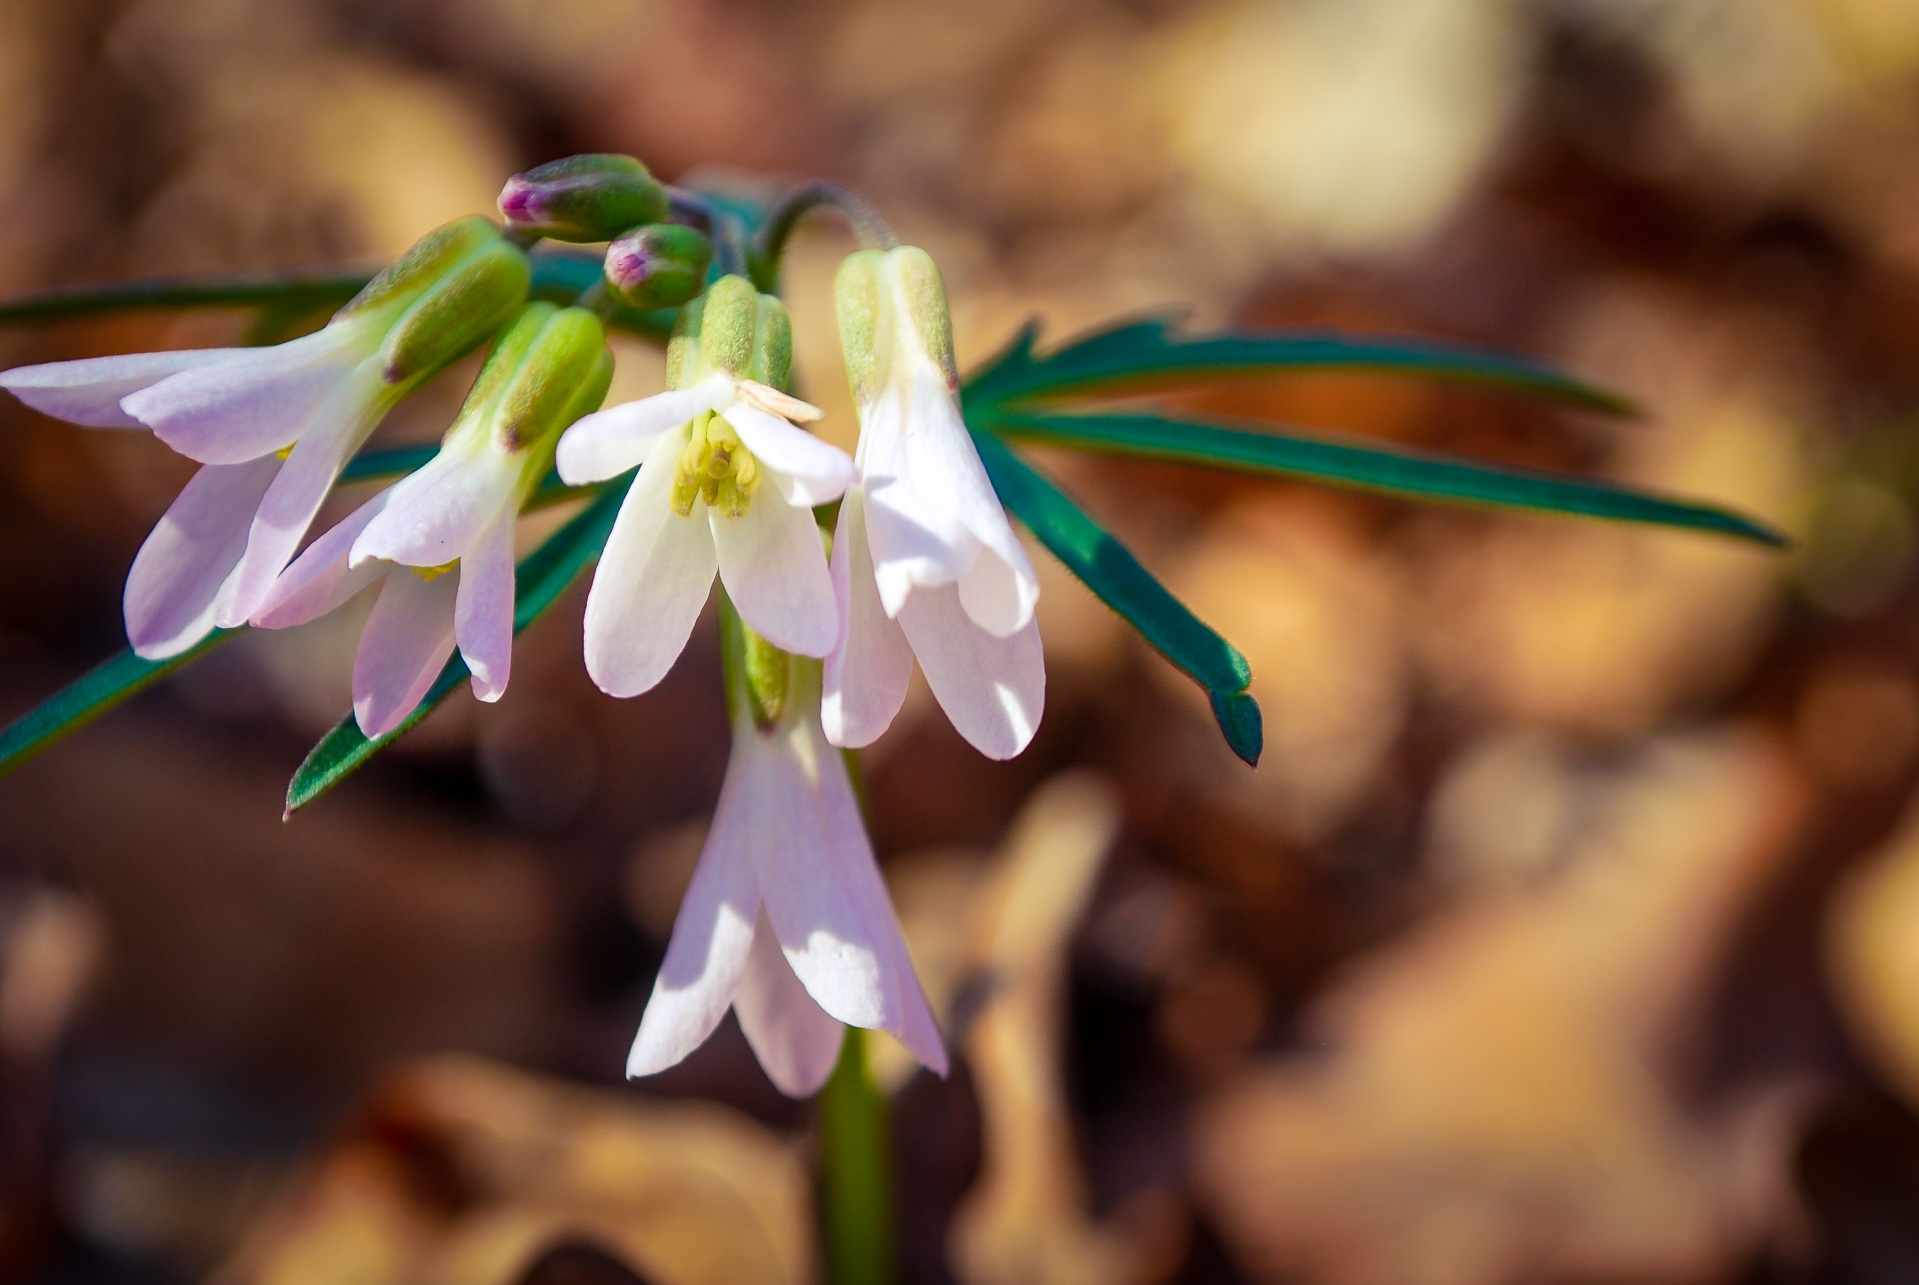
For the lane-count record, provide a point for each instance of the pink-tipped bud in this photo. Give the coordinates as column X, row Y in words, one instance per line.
column 583, row 198
column 662, row 265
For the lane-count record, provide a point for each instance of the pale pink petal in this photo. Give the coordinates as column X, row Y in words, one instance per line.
column 609, row 442
column 483, row 620
column 441, row 509
column 403, row 648
column 89, row 391
column 908, row 1013
column 915, row 537
column 822, row 890
column 712, row 937
column 999, row 597
column 254, row 403
column 179, row 572
column 774, row 567
column 795, row 1040
column 867, row 673
column 290, row 504
column 319, row 579
column 651, row 584
column 807, row 470
column 993, row 689
column 827, row 936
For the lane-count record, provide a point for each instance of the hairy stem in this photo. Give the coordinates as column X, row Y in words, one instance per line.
column 770, row 247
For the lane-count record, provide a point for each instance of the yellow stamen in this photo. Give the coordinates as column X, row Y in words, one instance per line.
column 434, row 573
column 714, row 466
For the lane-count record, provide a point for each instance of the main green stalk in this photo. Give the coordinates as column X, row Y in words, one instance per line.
column 856, row 1172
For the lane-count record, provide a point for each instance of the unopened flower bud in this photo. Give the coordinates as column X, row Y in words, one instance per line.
column 549, row 368
column 893, row 313
column 661, row 265
column 594, row 197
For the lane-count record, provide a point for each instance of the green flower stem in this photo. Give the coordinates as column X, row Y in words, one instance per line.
column 770, row 246
column 856, row 1171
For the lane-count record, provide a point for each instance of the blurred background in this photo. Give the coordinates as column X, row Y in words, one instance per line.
column 1568, row 931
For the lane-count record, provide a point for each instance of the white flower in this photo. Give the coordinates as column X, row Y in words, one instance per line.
column 925, row 563
column 726, row 484
column 786, row 919
column 442, row 538
column 215, row 553
column 274, row 426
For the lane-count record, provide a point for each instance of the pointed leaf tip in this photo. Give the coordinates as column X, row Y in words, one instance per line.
column 1240, row 721
column 540, row 579
column 1105, row 566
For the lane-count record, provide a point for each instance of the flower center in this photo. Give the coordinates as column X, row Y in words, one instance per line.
column 716, row 467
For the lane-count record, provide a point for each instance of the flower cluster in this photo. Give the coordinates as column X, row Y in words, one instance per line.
column 786, row 921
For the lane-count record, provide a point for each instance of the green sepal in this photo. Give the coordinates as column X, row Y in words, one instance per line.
column 105, row 687
column 402, row 282
column 1150, row 354
column 1105, row 566
column 1395, row 470
column 456, row 314
column 540, row 579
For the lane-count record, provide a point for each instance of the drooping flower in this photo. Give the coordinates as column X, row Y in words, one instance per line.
column 441, row 539
column 727, row 483
column 274, row 426
column 925, row 563
column 786, row 920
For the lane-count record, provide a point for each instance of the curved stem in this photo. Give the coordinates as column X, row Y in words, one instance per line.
column 770, row 246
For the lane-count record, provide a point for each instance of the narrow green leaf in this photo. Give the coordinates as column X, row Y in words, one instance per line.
column 1393, row 469
column 558, row 275
column 1141, row 355
column 1110, row 571
column 541, row 577
column 106, row 686
column 289, row 290
column 373, row 466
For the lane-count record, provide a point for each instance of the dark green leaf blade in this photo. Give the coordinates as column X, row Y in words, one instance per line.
column 374, row 466
column 105, row 687
column 540, row 579
column 1395, row 470
column 1110, row 571
column 1149, row 353
column 558, row 275
column 289, row 290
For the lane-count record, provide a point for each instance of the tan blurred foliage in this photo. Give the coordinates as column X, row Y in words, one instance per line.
column 462, row 1172
column 1497, row 1096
